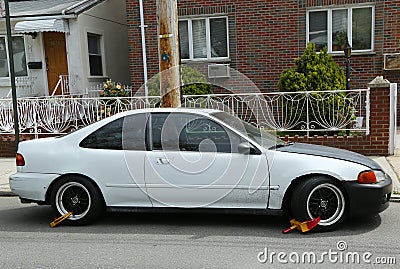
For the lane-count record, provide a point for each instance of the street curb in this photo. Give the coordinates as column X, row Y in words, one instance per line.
column 395, row 198
column 7, row 194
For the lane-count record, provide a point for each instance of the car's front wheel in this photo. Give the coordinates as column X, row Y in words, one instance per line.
column 78, row 195
column 319, row 196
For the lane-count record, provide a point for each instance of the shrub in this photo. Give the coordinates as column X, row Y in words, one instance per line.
column 112, row 89
column 194, row 83
column 108, row 105
column 316, row 72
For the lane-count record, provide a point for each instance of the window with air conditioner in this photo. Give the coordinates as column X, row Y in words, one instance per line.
column 204, row 38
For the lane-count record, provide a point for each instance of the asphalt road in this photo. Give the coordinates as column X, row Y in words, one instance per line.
column 138, row 240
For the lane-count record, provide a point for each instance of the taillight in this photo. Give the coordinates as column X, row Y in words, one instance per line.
column 20, row 160
column 367, row 177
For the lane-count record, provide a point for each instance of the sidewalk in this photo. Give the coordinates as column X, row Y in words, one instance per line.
column 391, row 165
column 7, row 167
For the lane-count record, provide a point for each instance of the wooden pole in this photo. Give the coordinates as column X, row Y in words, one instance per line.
column 168, row 50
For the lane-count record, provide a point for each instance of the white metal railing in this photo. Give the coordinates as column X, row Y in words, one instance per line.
column 94, row 91
column 25, row 87
column 66, row 83
column 327, row 111
column 286, row 112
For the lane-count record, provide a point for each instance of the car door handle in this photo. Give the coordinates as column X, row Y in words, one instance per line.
column 162, row 161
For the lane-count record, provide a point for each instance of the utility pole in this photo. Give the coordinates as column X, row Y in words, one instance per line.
column 168, row 50
column 6, row 12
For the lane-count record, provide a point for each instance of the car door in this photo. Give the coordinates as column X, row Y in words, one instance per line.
column 194, row 162
column 113, row 156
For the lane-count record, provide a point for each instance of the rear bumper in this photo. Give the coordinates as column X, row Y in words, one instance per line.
column 368, row 199
column 31, row 186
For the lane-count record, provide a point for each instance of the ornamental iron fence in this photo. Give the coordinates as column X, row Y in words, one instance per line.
column 311, row 112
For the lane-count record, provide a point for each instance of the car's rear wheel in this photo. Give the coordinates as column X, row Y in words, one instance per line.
column 319, row 196
column 78, row 195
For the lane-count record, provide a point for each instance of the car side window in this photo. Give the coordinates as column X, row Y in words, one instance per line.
column 134, row 132
column 128, row 133
column 107, row 137
column 157, row 124
column 189, row 132
column 205, row 135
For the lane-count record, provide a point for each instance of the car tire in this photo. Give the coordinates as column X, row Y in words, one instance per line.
column 320, row 196
column 78, row 195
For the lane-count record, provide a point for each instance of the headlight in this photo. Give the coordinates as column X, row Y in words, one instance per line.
column 368, row 177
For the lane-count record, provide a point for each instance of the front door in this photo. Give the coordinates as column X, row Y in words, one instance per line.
column 195, row 162
column 56, row 59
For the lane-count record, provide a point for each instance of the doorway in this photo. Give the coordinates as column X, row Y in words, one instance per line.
column 56, row 59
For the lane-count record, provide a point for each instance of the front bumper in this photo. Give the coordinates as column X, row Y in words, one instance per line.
column 31, row 186
column 368, row 199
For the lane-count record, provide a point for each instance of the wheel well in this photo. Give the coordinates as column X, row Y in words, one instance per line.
column 286, row 203
column 51, row 187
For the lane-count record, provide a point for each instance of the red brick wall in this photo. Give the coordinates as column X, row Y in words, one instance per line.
column 7, row 143
column 261, row 46
column 7, row 148
column 135, row 45
column 266, row 36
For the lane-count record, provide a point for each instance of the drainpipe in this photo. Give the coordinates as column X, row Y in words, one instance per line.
column 142, row 26
column 392, row 122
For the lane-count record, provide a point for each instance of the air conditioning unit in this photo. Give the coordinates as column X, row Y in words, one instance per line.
column 218, row 71
column 391, row 61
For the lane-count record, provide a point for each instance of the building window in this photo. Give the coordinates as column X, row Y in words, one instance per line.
column 20, row 67
column 204, row 38
column 331, row 27
column 95, row 56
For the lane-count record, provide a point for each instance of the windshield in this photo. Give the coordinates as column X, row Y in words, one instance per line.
column 261, row 136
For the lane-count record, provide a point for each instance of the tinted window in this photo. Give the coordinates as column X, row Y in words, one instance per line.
column 207, row 136
column 107, row 137
column 187, row 132
column 157, row 123
column 134, row 132
column 126, row 133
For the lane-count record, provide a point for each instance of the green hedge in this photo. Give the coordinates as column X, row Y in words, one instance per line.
column 194, row 83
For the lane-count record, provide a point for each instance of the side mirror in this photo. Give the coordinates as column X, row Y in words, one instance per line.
column 245, row 148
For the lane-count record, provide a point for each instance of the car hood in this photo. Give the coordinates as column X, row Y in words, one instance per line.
column 329, row 152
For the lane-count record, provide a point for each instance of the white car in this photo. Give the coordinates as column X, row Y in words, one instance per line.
column 159, row 159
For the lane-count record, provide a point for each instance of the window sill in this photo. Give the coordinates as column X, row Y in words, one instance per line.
column 5, row 82
column 354, row 53
column 97, row 78
column 216, row 60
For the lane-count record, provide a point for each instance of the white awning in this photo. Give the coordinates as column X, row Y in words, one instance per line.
column 51, row 25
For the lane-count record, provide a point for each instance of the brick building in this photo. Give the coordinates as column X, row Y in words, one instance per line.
column 261, row 38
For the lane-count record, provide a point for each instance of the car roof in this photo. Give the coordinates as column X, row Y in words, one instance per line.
column 94, row 126
column 170, row 109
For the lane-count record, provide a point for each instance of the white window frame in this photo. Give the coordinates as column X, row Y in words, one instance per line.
column 7, row 79
column 349, row 26
column 102, row 52
column 208, row 38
